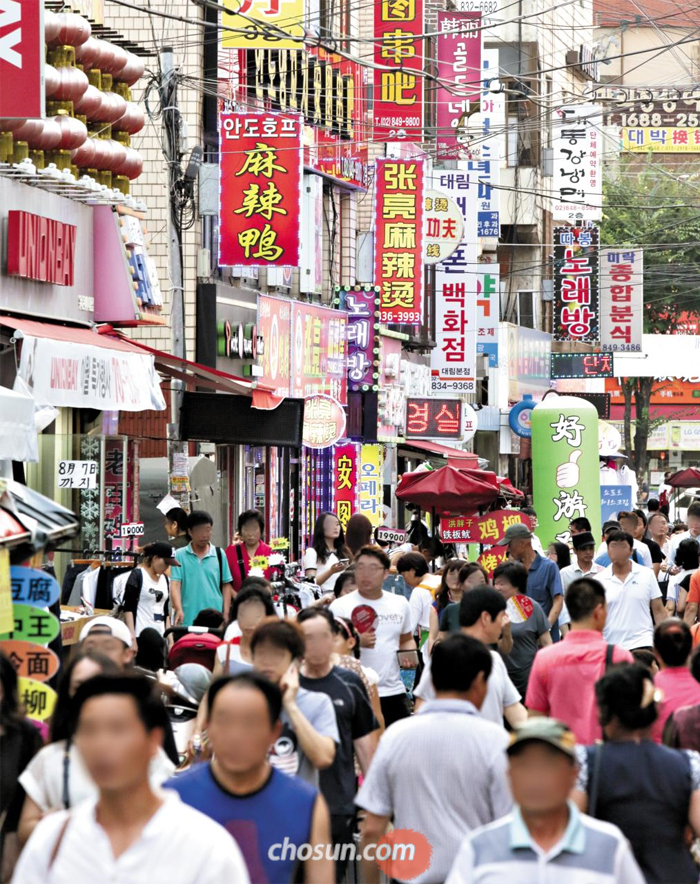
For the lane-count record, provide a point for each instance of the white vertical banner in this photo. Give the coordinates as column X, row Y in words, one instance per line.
column 453, row 360
column 577, row 182
column 493, row 111
column 488, row 302
column 621, row 300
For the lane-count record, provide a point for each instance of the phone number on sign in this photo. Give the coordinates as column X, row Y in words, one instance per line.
column 388, row 316
column 397, row 121
column 465, row 386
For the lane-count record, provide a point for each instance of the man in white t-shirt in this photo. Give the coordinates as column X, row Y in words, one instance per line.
column 384, row 623
column 414, row 570
column 482, row 615
column 693, row 520
column 630, row 591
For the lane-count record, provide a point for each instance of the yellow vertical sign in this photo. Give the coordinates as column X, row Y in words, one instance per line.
column 6, row 619
column 371, row 496
column 258, row 23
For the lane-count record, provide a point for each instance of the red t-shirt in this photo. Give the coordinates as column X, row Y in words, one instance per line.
column 232, row 558
column 679, row 688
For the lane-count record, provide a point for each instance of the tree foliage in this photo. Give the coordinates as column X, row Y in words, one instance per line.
column 655, row 207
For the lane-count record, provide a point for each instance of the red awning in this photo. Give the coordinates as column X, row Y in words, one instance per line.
column 71, row 334
column 192, row 373
column 689, row 478
column 469, row 459
column 449, row 490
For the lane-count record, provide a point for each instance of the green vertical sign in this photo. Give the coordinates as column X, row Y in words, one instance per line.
column 565, row 471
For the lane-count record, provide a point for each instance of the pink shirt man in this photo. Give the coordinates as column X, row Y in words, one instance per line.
column 679, row 688
column 563, row 677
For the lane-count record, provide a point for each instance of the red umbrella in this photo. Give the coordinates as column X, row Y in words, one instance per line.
column 449, row 490
column 689, row 478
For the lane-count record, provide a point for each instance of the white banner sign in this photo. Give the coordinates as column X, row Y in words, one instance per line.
column 577, row 182
column 621, row 300
column 488, row 300
column 453, row 361
column 70, row 375
column 77, row 474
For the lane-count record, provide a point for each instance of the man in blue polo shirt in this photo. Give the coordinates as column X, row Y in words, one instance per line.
column 543, row 580
column 545, row 838
column 204, row 577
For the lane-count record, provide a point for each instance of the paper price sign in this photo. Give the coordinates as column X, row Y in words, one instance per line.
column 279, row 543
column 132, row 529
column 77, row 474
column 390, row 535
column 260, row 562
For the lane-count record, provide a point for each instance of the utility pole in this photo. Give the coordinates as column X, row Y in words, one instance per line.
column 178, row 473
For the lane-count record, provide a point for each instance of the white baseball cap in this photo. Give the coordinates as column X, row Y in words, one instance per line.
column 108, row 626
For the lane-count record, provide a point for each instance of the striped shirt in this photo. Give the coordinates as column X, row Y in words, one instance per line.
column 441, row 772
column 591, row 852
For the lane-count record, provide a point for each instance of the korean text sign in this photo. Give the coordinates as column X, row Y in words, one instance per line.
column 576, row 296
column 22, row 59
column 319, row 352
column 459, row 65
column 275, row 328
column 345, row 481
column 260, row 193
column 434, row 419
column 361, row 305
column 398, row 46
column 565, row 471
column 398, row 242
column 371, row 496
column 621, row 299
column 488, row 296
column 614, row 499
column 480, row 529
column 453, row 360
column 582, row 365
column 577, row 183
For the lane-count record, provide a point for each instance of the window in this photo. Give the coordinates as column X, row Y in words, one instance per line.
column 524, row 124
column 527, row 309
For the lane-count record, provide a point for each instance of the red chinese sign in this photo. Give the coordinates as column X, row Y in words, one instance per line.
column 576, row 296
column 275, row 329
column 492, row 558
column 480, row 529
column 319, row 354
column 261, row 168
column 398, row 240
column 459, row 77
column 22, row 59
column 434, row 419
column 398, row 93
column 345, row 481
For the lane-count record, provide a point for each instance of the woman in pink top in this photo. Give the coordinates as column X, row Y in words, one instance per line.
column 672, row 646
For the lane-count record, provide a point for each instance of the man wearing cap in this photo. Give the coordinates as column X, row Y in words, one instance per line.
column 584, row 566
column 545, row 838
column 144, row 593
column 111, row 637
column 563, row 676
column 543, row 581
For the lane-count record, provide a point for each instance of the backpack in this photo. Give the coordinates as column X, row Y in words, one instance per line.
column 194, row 648
column 134, row 584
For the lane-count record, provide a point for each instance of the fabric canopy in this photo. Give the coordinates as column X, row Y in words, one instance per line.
column 689, row 478
column 18, row 438
column 449, row 490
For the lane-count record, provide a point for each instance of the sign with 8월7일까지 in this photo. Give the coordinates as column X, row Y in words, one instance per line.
column 260, row 191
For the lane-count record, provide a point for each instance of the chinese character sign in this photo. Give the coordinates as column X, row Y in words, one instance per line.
column 361, row 303
column 398, row 240
column 260, row 193
column 346, row 465
column 371, row 496
column 444, row 227
column 453, row 360
column 488, row 296
column 576, row 302
column 434, row 419
column 324, row 422
column 275, row 329
column 614, row 499
column 621, row 299
column 565, row 472
column 398, row 77
column 480, row 529
column 252, row 24
column 319, row 352
column 459, row 68
column 577, row 182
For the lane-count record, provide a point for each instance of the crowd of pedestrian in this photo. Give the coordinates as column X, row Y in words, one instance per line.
column 550, row 726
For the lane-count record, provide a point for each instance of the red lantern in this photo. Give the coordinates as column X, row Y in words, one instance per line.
column 52, row 27
column 11, row 125
column 52, row 80
column 131, row 166
column 132, row 120
column 112, row 108
column 29, row 131
column 106, row 57
column 72, row 84
column 74, row 30
column 133, row 70
column 39, row 134
column 89, row 103
column 73, row 132
column 89, row 53
column 116, row 63
column 84, row 156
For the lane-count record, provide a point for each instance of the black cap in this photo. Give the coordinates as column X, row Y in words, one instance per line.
column 608, row 526
column 163, row 551
column 585, row 538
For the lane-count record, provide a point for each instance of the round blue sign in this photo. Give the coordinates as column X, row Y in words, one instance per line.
column 519, row 417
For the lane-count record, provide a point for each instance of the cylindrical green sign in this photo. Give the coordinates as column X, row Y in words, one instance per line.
column 565, row 473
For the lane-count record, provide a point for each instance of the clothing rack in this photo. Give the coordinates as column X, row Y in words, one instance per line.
column 108, row 554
